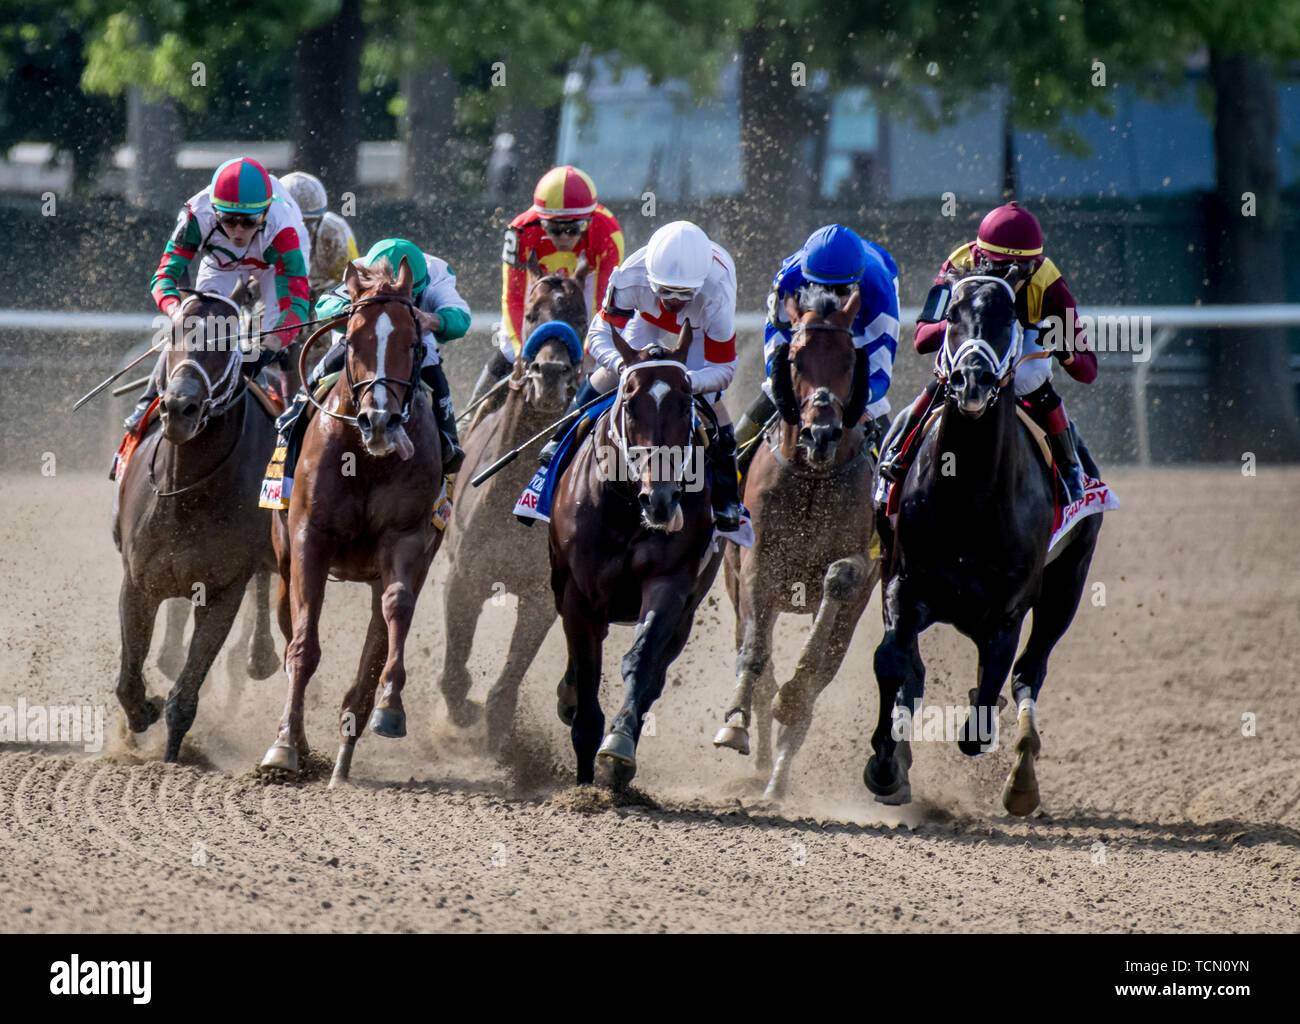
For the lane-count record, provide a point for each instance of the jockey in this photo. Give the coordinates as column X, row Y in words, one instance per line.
column 332, row 242
column 245, row 220
column 679, row 275
column 443, row 316
column 1009, row 237
column 564, row 223
column 836, row 257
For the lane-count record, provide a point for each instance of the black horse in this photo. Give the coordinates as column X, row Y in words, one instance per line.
column 971, row 548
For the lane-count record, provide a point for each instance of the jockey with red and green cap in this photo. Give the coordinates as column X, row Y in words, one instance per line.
column 1008, row 237
column 244, row 221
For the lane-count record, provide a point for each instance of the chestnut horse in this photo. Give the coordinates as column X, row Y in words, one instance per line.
column 631, row 542
column 185, row 514
column 974, row 520
column 362, row 515
column 489, row 553
column 808, row 491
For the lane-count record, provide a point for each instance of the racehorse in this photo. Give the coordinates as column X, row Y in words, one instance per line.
column 489, row 555
column 186, row 518
column 971, row 548
column 808, row 491
column 631, row 541
column 362, row 510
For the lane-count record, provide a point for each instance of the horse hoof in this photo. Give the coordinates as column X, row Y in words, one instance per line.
column 282, row 756
column 262, row 663
column 1021, row 803
column 342, row 765
column 465, row 713
column 734, row 736
column 388, row 722
column 774, row 793
column 620, row 747
column 876, row 779
column 903, row 795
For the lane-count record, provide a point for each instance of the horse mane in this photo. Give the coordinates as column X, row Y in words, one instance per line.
column 656, row 352
column 377, row 277
column 819, row 299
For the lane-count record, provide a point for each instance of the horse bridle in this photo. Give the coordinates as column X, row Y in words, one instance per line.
column 618, row 426
column 1004, row 365
column 357, row 389
column 823, row 395
column 219, row 396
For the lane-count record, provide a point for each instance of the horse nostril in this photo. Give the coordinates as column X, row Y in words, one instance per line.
column 363, row 421
column 644, row 499
column 837, row 433
column 958, row 378
column 190, row 411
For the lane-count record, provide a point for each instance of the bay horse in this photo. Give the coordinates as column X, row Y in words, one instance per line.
column 971, row 549
column 489, row 554
column 808, row 491
column 185, row 513
column 631, row 543
column 368, row 476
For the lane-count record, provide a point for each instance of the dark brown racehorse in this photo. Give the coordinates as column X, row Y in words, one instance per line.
column 185, row 517
column 362, row 510
column 974, row 520
column 490, row 554
column 631, row 541
column 808, row 491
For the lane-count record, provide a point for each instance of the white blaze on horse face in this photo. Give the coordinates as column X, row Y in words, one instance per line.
column 383, row 328
column 657, row 391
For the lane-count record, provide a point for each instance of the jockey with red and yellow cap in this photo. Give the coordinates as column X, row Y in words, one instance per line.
column 564, row 223
column 1008, row 237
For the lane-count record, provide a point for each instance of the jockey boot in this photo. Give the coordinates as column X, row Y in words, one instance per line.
column 445, row 411
column 1068, row 461
column 494, row 371
column 151, row 391
column 725, row 485
column 892, row 466
column 585, row 394
column 754, row 419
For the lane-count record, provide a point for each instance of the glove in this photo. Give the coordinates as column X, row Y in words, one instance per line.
column 264, row 359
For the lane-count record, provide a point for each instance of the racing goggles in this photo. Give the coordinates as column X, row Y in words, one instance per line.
column 564, row 227
column 241, row 220
column 674, row 294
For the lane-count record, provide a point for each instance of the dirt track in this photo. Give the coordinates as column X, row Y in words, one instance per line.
column 1143, row 752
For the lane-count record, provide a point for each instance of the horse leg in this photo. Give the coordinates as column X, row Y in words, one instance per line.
column 262, row 659
column 755, row 618
column 532, row 623
column 402, row 576
column 360, row 699
column 898, row 667
column 979, row 733
column 136, row 612
column 764, row 693
column 171, row 658
column 1063, row 583
column 461, row 604
column 212, row 622
column 301, row 595
column 584, row 633
column 659, row 639
column 843, row 598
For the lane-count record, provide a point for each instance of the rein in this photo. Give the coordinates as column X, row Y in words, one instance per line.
column 357, row 389
column 239, row 436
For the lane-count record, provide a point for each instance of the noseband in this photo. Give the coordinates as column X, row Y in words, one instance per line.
column 357, row 389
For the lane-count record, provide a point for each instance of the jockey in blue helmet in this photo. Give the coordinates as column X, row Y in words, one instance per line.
column 836, row 258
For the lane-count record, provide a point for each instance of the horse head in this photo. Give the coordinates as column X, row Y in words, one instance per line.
column 821, row 363
column 982, row 340
column 652, row 422
column 549, row 367
column 384, row 352
column 203, row 365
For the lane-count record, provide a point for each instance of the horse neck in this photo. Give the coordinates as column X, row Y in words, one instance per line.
column 985, row 452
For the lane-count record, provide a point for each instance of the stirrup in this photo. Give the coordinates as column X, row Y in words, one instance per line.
column 727, row 518
column 547, row 453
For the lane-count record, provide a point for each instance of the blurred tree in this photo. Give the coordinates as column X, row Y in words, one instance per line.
column 41, row 64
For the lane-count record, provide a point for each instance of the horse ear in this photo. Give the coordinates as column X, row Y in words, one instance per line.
column 851, row 306
column 792, row 311
column 582, row 268
column 1014, row 275
column 683, row 346
column 626, row 352
column 534, row 265
column 405, row 277
column 352, row 280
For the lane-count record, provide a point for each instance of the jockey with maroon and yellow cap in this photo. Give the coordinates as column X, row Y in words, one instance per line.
column 1009, row 237
column 564, row 223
